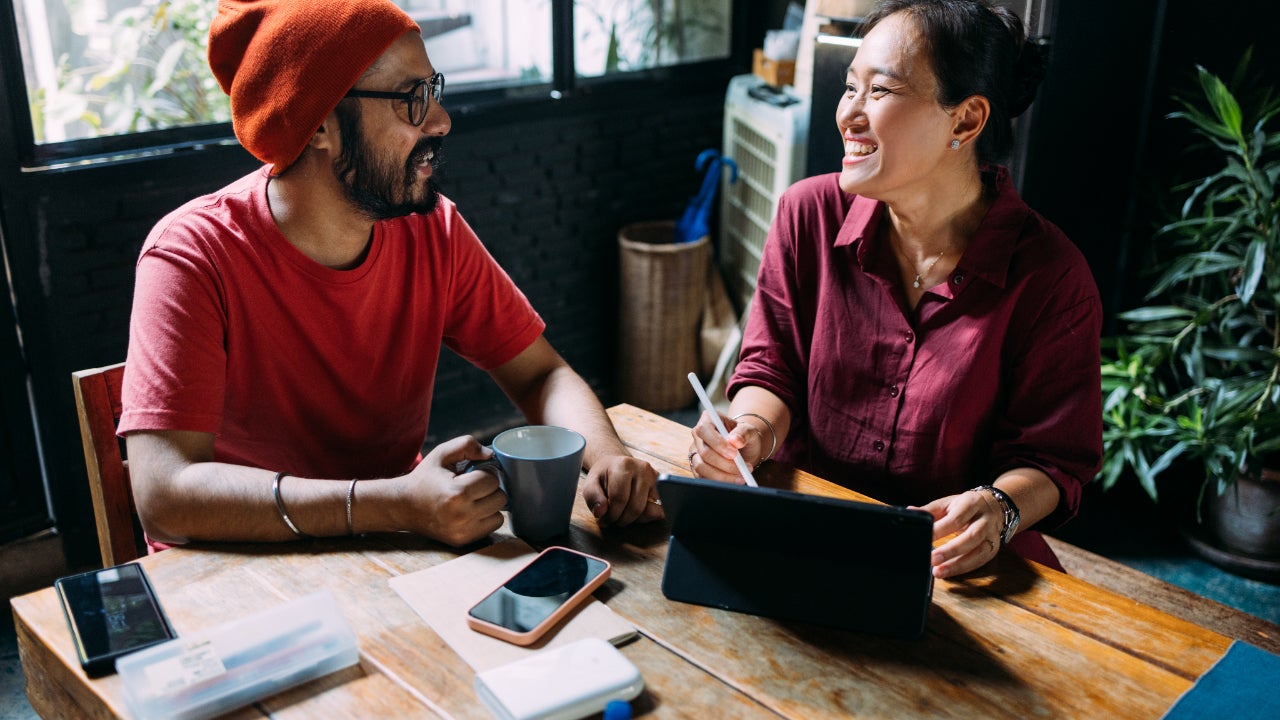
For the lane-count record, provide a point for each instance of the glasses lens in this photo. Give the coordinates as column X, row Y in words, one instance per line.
column 437, row 86
column 418, row 104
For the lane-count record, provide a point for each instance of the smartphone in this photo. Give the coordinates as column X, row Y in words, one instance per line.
column 111, row 612
column 533, row 600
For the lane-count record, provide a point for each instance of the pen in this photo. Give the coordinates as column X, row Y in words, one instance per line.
column 715, row 418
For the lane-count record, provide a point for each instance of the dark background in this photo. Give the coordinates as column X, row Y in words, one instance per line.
column 547, row 185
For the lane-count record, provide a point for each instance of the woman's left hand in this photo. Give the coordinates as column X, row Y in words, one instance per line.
column 977, row 521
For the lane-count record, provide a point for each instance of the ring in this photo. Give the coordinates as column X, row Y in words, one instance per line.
column 691, row 454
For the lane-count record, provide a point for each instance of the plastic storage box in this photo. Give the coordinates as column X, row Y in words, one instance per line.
column 240, row 662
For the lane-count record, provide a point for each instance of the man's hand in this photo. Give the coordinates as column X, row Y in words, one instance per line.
column 622, row 489
column 455, row 509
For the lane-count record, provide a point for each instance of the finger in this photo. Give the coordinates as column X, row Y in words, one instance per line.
column 619, row 496
column 712, row 469
column 451, row 452
column 953, row 513
column 706, row 431
column 637, row 500
column 967, row 551
column 481, row 528
column 493, row 503
column 946, row 524
column 652, row 511
column 594, row 494
column 479, row 484
column 711, row 464
column 740, row 433
column 630, row 485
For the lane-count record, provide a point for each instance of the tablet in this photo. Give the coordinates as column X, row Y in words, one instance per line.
column 797, row 557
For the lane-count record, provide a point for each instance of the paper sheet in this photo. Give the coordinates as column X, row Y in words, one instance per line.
column 441, row 596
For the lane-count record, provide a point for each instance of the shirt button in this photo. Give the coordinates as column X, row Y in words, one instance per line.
column 958, row 278
column 878, row 445
column 893, row 391
column 909, row 336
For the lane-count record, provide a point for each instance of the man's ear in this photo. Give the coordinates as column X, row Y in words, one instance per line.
column 326, row 137
column 971, row 116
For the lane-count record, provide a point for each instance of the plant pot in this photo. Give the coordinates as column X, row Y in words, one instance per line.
column 1241, row 530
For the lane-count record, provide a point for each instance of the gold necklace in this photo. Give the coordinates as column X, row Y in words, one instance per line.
column 924, row 274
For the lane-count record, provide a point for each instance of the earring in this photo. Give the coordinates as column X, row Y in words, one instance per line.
column 955, row 144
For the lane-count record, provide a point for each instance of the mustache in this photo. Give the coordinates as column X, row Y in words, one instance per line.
column 427, row 145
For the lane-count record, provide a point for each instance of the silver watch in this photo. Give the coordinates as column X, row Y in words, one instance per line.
column 1011, row 514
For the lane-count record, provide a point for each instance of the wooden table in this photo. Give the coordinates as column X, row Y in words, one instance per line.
column 1015, row 640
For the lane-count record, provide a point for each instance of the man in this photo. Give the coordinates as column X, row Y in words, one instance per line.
column 286, row 329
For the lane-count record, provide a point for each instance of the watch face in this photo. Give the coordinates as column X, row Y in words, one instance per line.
column 1011, row 526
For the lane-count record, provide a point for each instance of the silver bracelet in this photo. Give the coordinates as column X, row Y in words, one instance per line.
column 275, row 490
column 351, row 496
column 772, row 433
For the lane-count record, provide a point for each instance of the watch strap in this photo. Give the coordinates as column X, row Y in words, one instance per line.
column 1008, row 507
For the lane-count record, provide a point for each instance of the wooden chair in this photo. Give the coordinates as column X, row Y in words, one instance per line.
column 98, row 406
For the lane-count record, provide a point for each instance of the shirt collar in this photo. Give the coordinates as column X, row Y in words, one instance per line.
column 990, row 251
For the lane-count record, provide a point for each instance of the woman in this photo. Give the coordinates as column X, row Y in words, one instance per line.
column 918, row 333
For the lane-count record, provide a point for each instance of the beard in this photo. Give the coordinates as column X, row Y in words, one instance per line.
column 381, row 189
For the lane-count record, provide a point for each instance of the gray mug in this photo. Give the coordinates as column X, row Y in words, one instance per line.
column 538, row 467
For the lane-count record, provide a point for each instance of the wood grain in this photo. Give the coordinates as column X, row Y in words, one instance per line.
column 1027, row 616
column 1013, row 640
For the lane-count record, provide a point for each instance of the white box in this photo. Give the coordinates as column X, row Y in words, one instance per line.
column 565, row 683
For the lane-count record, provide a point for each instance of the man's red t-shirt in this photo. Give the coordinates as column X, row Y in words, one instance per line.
column 298, row 367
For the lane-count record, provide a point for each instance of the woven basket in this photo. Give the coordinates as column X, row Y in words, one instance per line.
column 662, row 290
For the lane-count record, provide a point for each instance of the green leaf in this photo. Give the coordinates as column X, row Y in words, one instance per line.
column 164, row 68
column 1162, row 463
column 1223, row 103
column 1255, row 263
column 1151, row 314
column 1238, row 354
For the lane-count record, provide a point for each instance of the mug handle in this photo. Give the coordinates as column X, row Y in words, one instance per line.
column 491, row 466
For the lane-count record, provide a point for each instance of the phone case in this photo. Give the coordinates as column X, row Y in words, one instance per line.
column 532, row 636
column 104, row 664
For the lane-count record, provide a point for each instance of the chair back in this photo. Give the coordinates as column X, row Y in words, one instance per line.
column 98, row 407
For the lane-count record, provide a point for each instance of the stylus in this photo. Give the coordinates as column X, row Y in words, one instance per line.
column 715, row 418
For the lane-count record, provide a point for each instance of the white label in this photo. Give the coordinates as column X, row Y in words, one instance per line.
column 197, row 663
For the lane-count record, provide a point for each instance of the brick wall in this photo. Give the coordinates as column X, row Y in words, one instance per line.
column 548, row 198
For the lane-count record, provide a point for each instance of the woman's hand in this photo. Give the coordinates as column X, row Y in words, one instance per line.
column 711, row 456
column 977, row 520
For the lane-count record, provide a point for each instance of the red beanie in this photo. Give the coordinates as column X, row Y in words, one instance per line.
column 287, row 63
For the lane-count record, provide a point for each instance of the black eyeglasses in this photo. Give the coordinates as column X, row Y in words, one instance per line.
column 415, row 100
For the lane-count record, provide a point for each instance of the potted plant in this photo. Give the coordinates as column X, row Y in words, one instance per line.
column 1194, row 384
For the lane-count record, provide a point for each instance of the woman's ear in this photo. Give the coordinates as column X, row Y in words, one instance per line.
column 970, row 117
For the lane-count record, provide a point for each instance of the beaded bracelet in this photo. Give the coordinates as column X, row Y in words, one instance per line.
column 275, row 490
column 772, row 433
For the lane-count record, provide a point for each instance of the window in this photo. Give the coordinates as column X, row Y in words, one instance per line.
column 621, row 35
column 482, row 44
column 107, row 67
column 106, row 70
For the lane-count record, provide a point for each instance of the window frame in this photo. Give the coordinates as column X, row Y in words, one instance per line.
column 565, row 86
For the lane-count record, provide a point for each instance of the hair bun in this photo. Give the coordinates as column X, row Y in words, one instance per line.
column 1028, row 71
